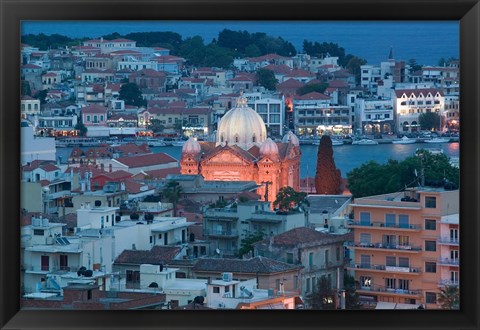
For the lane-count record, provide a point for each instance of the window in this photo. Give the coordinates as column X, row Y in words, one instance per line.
column 227, row 288
column 454, row 277
column 430, row 224
column 38, row 232
column 390, row 283
column 327, row 257
column 430, row 267
column 365, row 261
column 430, row 246
column 307, row 289
column 430, row 202
column 337, row 253
column 389, row 220
column 430, row 297
column 133, row 276
column 289, row 258
column 365, row 218
column 403, row 262
column 88, row 118
column 216, row 289
column 389, row 240
column 277, row 284
column 454, row 255
column 365, row 238
column 403, row 284
column 89, row 294
column 64, row 262
column 365, row 281
column 403, row 221
column 310, row 259
column 403, row 240
column 390, row 261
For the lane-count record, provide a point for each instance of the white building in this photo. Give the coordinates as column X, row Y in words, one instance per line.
column 374, row 116
column 272, row 111
column 409, row 104
column 34, row 147
column 29, row 106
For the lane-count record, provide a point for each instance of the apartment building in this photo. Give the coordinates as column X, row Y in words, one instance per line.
column 406, row 245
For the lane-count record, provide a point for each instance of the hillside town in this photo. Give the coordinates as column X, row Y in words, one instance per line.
column 230, row 224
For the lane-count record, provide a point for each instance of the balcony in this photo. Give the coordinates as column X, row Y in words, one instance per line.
column 381, row 246
column 233, row 233
column 49, row 269
column 383, row 291
column 448, row 283
column 448, row 241
column 221, row 214
column 267, row 217
column 448, row 262
column 384, row 268
column 381, row 225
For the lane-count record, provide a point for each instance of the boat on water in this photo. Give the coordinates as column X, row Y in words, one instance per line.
column 178, row 143
column 404, row 140
column 152, row 142
column 438, row 140
column 365, row 142
column 77, row 142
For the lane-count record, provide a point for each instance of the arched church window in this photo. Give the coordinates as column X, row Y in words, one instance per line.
column 221, row 138
column 236, row 139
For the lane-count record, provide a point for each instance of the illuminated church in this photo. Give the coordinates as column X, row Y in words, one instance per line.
column 242, row 152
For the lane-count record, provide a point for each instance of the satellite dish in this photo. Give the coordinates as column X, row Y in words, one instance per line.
column 217, row 251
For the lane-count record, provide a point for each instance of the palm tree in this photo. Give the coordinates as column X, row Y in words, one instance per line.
column 172, row 193
column 449, row 297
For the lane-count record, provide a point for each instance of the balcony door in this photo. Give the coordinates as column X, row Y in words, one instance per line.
column 45, row 263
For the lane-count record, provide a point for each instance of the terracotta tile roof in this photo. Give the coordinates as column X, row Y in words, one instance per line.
column 242, row 78
column 300, row 73
column 114, row 176
column 162, row 173
column 133, row 187
column 49, row 168
column 313, row 96
column 94, row 109
column 124, row 52
column 120, row 40
column 337, row 84
column 417, row 92
column 31, row 66
column 255, row 265
column 302, row 235
column 279, row 69
column 84, row 168
column 37, row 164
column 44, row 183
column 291, row 83
column 156, row 256
column 148, row 73
column 146, row 160
column 132, row 149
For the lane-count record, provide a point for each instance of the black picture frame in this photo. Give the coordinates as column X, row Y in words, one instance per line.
column 467, row 12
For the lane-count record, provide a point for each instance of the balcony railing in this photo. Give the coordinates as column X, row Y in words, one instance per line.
column 383, row 225
column 222, row 233
column 389, row 291
column 50, row 269
column 449, row 262
column 221, row 213
column 450, row 241
column 385, row 268
column 448, row 282
column 388, row 246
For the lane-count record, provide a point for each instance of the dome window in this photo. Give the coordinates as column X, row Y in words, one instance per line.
column 236, row 139
column 221, row 138
column 254, row 139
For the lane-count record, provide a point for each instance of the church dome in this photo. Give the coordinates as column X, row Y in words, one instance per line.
column 290, row 137
column 241, row 126
column 191, row 146
column 269, row 148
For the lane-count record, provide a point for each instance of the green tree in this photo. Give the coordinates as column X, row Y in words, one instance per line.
column 193, row 50
column 429, row 121
column 172, row 192
column 373, row 178
column 216, row 56
column 246, row 244
column 132, row 95
column 288, row 199
column 449, row 297
column 25, row 88
column 352, row 300
column 353, row 66
column 266, row 78
column 323, row 296
column 327, row 179
column 41, row 95
column 414, row 66
column 156, row 126
column 252, row 50
column 81, row 128
column 323, row 49
column 320, row 88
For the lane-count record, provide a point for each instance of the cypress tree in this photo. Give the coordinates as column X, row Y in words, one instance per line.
column 327, row 179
